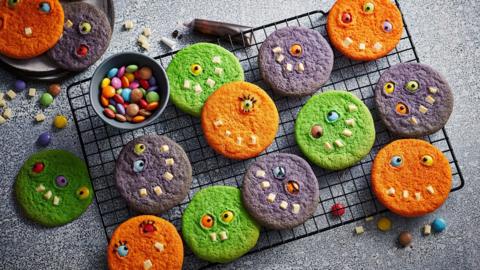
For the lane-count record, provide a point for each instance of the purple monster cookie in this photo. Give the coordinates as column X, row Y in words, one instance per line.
column 413, row 100
column 280, row 191
column 295, row 61
column 86, row 36
column 153, row 174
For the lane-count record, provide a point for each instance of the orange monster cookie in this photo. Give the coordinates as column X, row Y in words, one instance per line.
column 145, row 242
column 239, row 120
column 411, row 177
column 364, row 30
column 29, row 28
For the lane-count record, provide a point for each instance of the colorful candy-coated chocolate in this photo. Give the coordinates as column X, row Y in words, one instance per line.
column 112, row 108
column 144, row 84
column 439, row 225
column 44, row 139
column 130, row 77
column 138, row 119
column 112, row 101
column 121, row 71
column 126, row 94
column 109, row 113
column 144, row 92
column 20, row 85
column 60, row 121
column 108, row 91
column 152, row 97
column 125, row 82
column 112, row 73
column 136, row 95
column 54, row 89
column 153, row 88
column 144, row 112
column 145, row 73
column 105, row 82
column 405, row 239
column 104, row 101
column 116, row 83
column 120, row 108
column 119, row 91
column 152, row 106
column 143, row 103
column 152, row 81
column 134, row 85
column 120, row 118
column 132, row 109
column 338, row 209
column 118, row 98
column 46, row 99
column 132, row 68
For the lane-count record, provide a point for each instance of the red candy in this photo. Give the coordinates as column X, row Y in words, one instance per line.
column 144, row 84
column 109, row 113
column 118, row 98
column 143, row 103
column 38, row 167
column 338, row 209
column 125, row 82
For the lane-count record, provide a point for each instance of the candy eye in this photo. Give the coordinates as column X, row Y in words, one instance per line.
column 396, row 161
column 292, row 187
column 139, row 148
column 227, row 216
column 13, row 3
column 332, row 116
column 427, row 160
column 387, row 26
column 82, row 50
column 368, row 7
column 389, row 87
column 148, row 226
column 316, row 131
column 61, row 181
column 44, row 7
column 138, row 166
column 412, row 86
column 85, row 28
column 279, row 172
column 296, row 50
column 196, row 69
column 401, row 108
column 83, row 193
column 346, row 17
column 247, row 103
column 121, row 248
column 207, row 221
column 38, row 167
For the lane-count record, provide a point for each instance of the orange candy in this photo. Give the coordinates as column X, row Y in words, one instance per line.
column 108, row 91
column 138, row 119
column 152, row 106
column 130, row 77
column 103, row 101
column 125, row 82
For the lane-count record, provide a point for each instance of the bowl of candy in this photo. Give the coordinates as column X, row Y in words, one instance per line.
column 129, row 90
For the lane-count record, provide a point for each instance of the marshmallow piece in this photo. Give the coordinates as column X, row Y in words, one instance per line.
column 11, row 94
column 213, row 236
column 56, row 200
column 168, row 176
column 142, row 39
column 32, row 92
column 40, row 188
column 271, row 197
column 430, row 189
column 265, row 185
column 362, row 46
column 283, row 205
column 147, row 265
column 279, row 58
column 197, row 88
column 260, row 173
column 159, row 246
column 68, row 24
column 143, row 192
column 7, row 113
column 339, row 143
column 28, row 31
column 432, row 90
column 223, row 235
column 218, row 123
column 347, row 132
column 147, row 32
column 210, row 83
column 128, row 25
column 377, row 46
column 427, row 229
column 328, row 146
column 169, row 161
column 217, row 60
column 289, row 67
column 295, row 208
column 350, row 122
column 218, row 71
column 300, row 67
column 239, row 140
column 40, row 117
column 413, row 120
column 352, row 108
column 347, row 42
column 164, row 148
column 277, row 50
column 253, row 139
column 228, row 133
column 359, row 230
column 48, row 195
column 391, row 191
column 430, row 99
column 422, row 109
column 418, row 196
column 187, row 84
column 157, row 190
column 2, row 103
column 2, row 120
column 405, row 194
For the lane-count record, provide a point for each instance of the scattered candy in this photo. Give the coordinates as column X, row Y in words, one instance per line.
column 359, row 230
column 2, row 120
column 54, row 89
column 338, row 209
column 11, row 94
column 439, row 225
column 128, row 25
column 46, row 99
column 44, row 139
column 20, row 85
column 7, row 113
column 368, row 219
column 147, row 32
column 405, row 239
column 32, row 92
column 2, row 103
column 60, row 121
column 40, row 117
column 427, row 229
column 384, row 224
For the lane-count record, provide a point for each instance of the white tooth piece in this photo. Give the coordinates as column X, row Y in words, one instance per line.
column 295, row 208
column 210, row 83
column 159, row 246
column 328, row 146
column 217, row 60
column 339, row 143
column 280, row 58
column 405, row 194
column 350, row 122
column 347, row 132
column 213, row 236
column 228, row 133
column 68, row 24
column 430, row 189
column 164, row 148
column 430, row 99
column 300, row 67
column 40, row 188
column 352, row 108
column 427, row 229
column 283, row 205
column 187, row 84
column 253, row 139
column 157, row 190
column 239, row 140
column 362, row 46
column 271, row 197
column 28, row 31
column 223, row 235
column 289, row 67
column 418, row 196
column 168, row 176
column 143, row 192
column 147, row 32
column 432, row 90
column 218, row 123
column 197, row 88
column 260, row 173
column 265, row 185
column 56, row 200
column 277, row 50
column 169, row 161
column 48, row 195
column 422, row 109
column 147, row 264
column 218, row 71
column 391, row 191
column 347, row 42
column 413, row 120
column 378, row 46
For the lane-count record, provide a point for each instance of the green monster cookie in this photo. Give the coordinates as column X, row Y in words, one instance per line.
column 217, row 227
column 53, row 187
column 334, row 130
column 197, row 71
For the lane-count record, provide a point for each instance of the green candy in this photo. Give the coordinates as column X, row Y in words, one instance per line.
column 111, row 107
column 224, row 208
column 152, row 96
column 46, row 99
column 132, row 68
column 334, row 130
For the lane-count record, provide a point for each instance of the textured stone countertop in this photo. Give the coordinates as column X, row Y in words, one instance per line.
column 446, row 35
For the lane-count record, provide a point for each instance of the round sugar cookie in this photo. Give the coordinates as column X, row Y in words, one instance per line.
column 239, row 120
column 411, row 177
column 413, row 100
column 364, row 30
column 145, row 242
column 197, row 71
column 53, row 187
column 280, row 191
column 29, row 28
column 295, row 61
column 334, row 130
column 153, row 174
column 217, row 227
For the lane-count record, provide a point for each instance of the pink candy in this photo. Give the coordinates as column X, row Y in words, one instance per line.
column 116, row 83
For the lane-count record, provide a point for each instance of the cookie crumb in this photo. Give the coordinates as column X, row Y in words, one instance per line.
column 40, row 117
column 128, row 25
column 7, row 113
column 359, row 230
column 11, row 94
column 427, row 229
column 32, row 92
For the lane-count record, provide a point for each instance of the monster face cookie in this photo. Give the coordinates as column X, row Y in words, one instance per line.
column 295, row 61
column 364, row 30
column 413, row 100
column 217, row 227
column 29, row 28
column 239, row 120
column 153, row 174
column 197, row 71
column 280, row 191
column 53, row 187
column 85, row 38
column 145, row 242
column 411, row 177
column 334, row 130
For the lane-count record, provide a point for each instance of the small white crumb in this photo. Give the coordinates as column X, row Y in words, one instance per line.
column 265, row 184
column 32, row 92
column 128, row 24
column 295, row 208
column 169, row 162
column 359, row 230
column 168, row 176
column 7, row 113
column 147, row 31
column 40, row 117
column 11, row 94
column 427, row 229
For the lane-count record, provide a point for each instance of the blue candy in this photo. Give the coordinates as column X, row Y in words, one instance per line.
column 112, row 72
column 439, row 225
column 153, row 88
column 126, row 94
column 152, row 81
column 44, row 139
column 20, row 85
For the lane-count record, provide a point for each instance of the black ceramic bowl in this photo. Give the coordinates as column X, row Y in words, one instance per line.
column 125, row 59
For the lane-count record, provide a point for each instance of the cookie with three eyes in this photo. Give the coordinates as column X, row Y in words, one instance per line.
column 145, row 242
column 413, row 100
column 295, row 61
column 29, row 28
column 153, row 174
column 85, row 38
column 239, row 120
column 197, row 71
column 217, row 227
column 334, row 130
column 411, row 177
column 280, row 191
column 364, row 30
column 53, row 187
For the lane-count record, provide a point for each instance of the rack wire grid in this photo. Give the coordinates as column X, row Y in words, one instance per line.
column 101, row 144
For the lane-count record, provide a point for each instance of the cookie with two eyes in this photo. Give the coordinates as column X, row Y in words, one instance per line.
column 413, row 100
column 280, row 191
column 86, row 36
column 153, row 174
column 364, row 30
column 197, row 71
column 145, row 242
column 411, row 177
column 295, row 61
column 334, row 130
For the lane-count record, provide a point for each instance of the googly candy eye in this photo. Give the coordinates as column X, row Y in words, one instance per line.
column 427, row 160
column 13, row 3
column 279, row 172
column 138, row 166
column 412, row 86
column 139, row 148
column 247, row 103
column 368, row 7
column 44, row 7
column 296, row 50
column 316, row 131
column 38, row 167
column 227, row 216
column 83, row 193
column 346, row 17
column 196, row 69
column 387, row 26
column 61, row 181
column 332, row 116
column 389, row 87
column 121, row 248
column 396, row 161
column 85, row 28
column 401, row 108
column 207, row 221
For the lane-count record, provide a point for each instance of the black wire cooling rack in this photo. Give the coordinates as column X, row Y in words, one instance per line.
column 101, row 143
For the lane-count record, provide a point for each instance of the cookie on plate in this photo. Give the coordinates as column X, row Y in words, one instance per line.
column 239, row 120
column 197, row 71
column 85, row 38
column 145, row 242
column 295, row 61
column 153, row 174
column 29, row 28
column 413, row 100
column 280, row 191
column 53, row 187
column 217, row 227
column 334, row 130
column 411, row 177
column 364, row 30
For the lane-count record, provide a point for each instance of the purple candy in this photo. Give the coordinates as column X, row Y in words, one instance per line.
column 44, row 139
column 116, row 83
column 120, row 108
column 152, row 81
column 20, row 85
column 153, row 88
column 112, row 102
column 134, row 85
column 121, row 72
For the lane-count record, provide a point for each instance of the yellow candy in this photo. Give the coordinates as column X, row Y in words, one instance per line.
column 130, row 77
column 384, row 224
column 60, row 121
column 105, row 82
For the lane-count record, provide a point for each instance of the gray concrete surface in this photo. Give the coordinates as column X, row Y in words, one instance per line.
column 446, row 35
